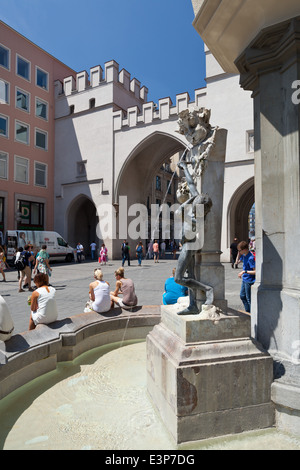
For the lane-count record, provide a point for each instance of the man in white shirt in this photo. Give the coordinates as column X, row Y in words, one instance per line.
column 79, row 250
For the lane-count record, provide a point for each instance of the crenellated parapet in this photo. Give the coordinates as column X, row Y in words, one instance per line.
column 151, row 112
column 99, row 77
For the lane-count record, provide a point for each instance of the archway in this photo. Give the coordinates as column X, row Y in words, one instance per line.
column 138, row 173
column 238, row 212
column 141, row 165
column 82, row 222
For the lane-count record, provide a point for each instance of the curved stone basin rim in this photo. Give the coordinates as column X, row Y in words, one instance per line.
column 31, row 354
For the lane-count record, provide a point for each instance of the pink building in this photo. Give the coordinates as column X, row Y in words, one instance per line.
column 27, row 75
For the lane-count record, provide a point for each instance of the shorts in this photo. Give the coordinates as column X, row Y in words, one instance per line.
column 26, row 272
column 126, row 307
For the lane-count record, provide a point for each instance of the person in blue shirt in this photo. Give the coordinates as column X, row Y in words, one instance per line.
column 173, row 290
column 247, row 275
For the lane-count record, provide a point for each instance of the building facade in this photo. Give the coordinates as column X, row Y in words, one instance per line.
column 27, row 133
column 75, row 144
column 118, row 141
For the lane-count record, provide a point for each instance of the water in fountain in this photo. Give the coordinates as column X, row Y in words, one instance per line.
column 99, row 401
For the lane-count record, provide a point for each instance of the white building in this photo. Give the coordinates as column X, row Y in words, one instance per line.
column 111, row 142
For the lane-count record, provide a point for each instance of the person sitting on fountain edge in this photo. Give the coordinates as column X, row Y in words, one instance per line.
column 125, row 287
column 173, row 290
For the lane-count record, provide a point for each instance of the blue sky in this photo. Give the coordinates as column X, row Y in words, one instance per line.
column 154, row 40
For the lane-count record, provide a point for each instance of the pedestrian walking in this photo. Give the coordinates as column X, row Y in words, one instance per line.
column 103, row 254
column 42, row 262
column 26, row 257
column 93, row 247
column 125, row 252
column 150, row 250
column 234, row 252
column 2, row 263
column 155, row 251
column 247, row 275
column 139, row 252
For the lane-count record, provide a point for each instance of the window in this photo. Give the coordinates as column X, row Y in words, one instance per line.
column 3, row 165
column 41, row 139
column 158, row 183
column 40, row 174
column 4, row 92
column 61, row 242
column 42, row 78
column 32, row 215
column 21, row 170
column 250, row 141
column 4, row 57
column 81, row 168
column 22, row 100
column 2, row 215
column 23, row 68
column 41, row 109
column 22, row 132
column 3, row 125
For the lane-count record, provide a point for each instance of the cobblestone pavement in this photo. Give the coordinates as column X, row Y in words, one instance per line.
column 71, row 282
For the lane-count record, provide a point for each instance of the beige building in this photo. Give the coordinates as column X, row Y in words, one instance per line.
column 27, row 75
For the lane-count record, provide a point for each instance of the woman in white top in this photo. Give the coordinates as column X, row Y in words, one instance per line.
column 43, row 304
column 99, row 294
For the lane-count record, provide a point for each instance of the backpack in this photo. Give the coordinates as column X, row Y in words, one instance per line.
column 20, row 263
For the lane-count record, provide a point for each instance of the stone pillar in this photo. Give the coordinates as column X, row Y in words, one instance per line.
column 269, row 67
column 208, row 268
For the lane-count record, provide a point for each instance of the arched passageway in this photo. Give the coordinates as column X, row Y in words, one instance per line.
column 82, row 222
column 137, row 175
column 142, row 164
column 238, row 211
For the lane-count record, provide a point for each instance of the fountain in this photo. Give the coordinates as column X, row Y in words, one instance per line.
column 205, row 374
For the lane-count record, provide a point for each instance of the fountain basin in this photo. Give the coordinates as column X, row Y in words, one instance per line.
column 31, row 354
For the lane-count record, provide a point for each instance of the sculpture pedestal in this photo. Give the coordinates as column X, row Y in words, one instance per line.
column 207, row 377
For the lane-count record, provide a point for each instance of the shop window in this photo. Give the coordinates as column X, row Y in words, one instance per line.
column 32, row 215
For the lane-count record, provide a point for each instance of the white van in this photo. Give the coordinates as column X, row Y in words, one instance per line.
column 57, row 247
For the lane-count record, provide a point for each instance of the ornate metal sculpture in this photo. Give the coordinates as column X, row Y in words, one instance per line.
column 197, row 130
